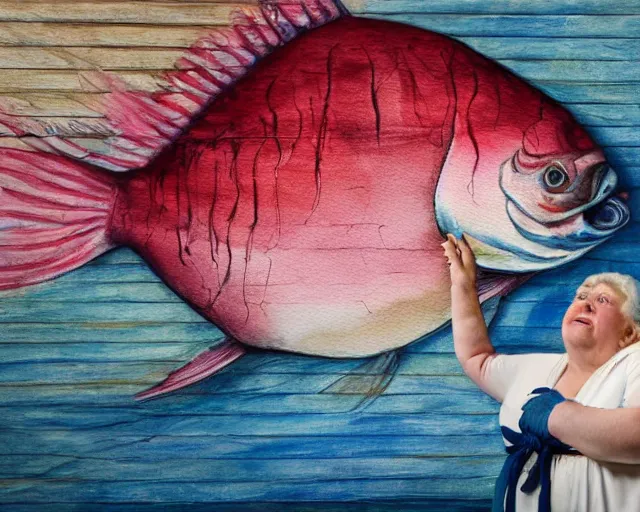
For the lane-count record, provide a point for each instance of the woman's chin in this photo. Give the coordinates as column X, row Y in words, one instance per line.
column 577, row 335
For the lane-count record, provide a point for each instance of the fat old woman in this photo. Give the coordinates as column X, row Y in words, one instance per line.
column 570, row 421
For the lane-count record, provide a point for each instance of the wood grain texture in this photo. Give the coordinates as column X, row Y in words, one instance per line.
column 267, row 434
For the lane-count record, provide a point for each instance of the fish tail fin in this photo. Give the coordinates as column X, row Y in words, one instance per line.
column 54, row 216
column 202, row 366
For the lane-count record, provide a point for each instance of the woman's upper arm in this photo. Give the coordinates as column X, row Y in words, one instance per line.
column 493, row 373
column 631, row 397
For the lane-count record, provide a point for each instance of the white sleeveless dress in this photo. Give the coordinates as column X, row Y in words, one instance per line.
column 578, row 484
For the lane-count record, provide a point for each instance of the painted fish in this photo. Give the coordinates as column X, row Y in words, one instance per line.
column 294, row 181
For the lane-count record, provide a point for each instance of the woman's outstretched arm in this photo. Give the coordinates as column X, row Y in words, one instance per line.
column 470, row 336
column 607, row 435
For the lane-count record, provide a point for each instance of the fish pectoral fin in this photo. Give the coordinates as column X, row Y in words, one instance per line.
column 491, row 283
column 369, row 380
column 200, row 367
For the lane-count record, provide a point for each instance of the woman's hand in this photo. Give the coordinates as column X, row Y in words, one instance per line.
column 462, row 262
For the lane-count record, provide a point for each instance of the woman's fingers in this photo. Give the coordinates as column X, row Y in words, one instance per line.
column 450, row 247
column 468, row 258
column 452, row 253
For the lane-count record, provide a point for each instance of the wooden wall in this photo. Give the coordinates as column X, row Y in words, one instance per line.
column 270, row 433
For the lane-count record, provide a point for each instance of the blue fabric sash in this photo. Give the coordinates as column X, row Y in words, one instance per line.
column 523, row 445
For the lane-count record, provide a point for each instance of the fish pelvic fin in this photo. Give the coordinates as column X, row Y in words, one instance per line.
column 142, row 124
column 202, row 366
column 54, row 216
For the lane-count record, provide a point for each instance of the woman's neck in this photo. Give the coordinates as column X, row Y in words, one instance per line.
column 585, row 361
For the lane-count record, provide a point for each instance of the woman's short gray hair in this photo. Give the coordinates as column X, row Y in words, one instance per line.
column 625, row 284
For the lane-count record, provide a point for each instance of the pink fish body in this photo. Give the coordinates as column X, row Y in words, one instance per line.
column 303, row 207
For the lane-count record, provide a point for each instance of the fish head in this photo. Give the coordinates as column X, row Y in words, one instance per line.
column 560, row 191
column 551, row 198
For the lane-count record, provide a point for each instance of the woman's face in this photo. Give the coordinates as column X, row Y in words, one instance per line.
column 595, row 319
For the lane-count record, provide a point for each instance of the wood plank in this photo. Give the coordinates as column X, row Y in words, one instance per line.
column 630, row 178
column 88, row 34
column 100, row 292
column 623, row 157
column 254, row 403
column 281, row 470
column 160, row 447
column 268, row 362
column 106, row 59
column 618, row 136
column 546, row 26
column 47, row 352
column 24, row 466
column 19, row 80
column 177, row 36
column 590, row 92
column 606, row 115
column 549, row 49
column 108, row 332
column 329, row 489
column 228, row 382
column 390, row 505
column 130, row 423
column 598, row 71
column 159, row 13
column 470, row 7
column 144, row 374
column 23, row 311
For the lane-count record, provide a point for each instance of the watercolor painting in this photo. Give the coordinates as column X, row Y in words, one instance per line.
column 221, row 272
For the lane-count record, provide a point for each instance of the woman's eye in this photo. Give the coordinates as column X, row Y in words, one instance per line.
column 603, row 300
column 555, row 177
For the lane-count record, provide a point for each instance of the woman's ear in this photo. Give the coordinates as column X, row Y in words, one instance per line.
column 631, row 335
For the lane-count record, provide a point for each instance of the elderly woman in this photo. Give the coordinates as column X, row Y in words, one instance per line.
column 571, row 421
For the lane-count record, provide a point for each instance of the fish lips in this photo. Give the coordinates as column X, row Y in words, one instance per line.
column 603, row 215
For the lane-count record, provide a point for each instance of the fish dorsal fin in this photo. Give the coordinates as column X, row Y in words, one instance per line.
column 145, row 123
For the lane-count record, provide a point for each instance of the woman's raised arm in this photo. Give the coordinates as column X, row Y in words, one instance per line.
column 470, row 336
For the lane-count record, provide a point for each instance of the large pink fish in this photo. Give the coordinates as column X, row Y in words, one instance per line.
column 295, row 182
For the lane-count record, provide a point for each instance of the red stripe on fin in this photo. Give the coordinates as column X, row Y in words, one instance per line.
column 144, row 123
column 202, row 366
column 54, row 214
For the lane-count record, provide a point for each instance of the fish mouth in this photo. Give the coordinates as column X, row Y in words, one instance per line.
column 581, row 227
column 608, row 215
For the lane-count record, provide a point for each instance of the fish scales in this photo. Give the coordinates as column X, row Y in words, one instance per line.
column 276, row 186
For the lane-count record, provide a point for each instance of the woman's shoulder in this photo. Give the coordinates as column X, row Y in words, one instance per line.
column 523, row 367
column 532, row 358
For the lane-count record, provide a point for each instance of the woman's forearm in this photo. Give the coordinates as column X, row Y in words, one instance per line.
column 608, row 435
column 470, row 335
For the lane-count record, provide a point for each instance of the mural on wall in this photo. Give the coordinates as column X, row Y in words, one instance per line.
column 295, row 183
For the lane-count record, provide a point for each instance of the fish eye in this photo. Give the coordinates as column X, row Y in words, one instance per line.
column 555, row 177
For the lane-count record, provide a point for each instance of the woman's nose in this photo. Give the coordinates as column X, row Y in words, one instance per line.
column 587, row 306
